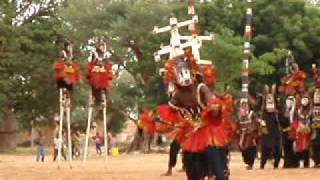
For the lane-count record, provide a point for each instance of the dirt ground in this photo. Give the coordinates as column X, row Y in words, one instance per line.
column 130, row 167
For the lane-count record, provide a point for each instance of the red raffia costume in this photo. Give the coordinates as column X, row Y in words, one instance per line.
column 316, row 72
column 145, row 122
column 99, row 72
column 216, row 131
column 194, row 133
column 293, row 83
column 301, row 131
column 69, row 73
column 301, row 134
column 99, row 76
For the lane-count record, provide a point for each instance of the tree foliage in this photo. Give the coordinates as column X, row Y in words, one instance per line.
column 28, row 49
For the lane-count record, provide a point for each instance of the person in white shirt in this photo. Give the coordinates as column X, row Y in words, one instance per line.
column 57, row 142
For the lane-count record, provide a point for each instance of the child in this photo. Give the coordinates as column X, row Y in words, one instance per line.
column 40, row 149
column 98, row 141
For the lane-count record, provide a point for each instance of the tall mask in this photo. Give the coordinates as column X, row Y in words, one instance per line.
column 316, row 113
column 270, row 101
column 305, row 101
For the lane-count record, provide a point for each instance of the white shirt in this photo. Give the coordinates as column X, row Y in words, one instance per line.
column 57, row 142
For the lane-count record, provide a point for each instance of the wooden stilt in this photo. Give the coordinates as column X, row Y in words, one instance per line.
column 69, row 129
column 60, row 122
column 88, row 127
column 104, row 104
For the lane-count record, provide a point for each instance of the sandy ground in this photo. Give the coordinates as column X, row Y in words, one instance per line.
column 130, row 167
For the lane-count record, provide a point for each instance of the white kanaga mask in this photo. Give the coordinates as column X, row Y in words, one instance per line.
column 270, row 98
column 183, row 73
column 305, row 101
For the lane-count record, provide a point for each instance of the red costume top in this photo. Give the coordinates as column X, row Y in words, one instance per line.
column 214, row 128
column 99, row 73
column 301, row 135
column 293, row 83
column 316, row 72
column 70, row 73
column 217, row 127
column 300, row 129
column 209, row 75
column 146, row 123
column 192, row 117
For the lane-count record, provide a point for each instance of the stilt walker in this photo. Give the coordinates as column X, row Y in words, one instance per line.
column 67, row 73
column 99, row 77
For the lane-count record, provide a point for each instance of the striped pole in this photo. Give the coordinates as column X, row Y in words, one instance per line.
column 246, row 60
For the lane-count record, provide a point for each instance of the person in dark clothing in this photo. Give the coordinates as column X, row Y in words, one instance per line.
column 286, row 117
column 315, row 141
column 173, row 156
column 248, row 132
column 210, row 163
column 270, row 141
column 316, row 148
column 249, row 156
column 270, row 128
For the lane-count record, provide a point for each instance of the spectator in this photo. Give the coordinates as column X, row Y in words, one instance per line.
column 98, row 141
column 57, row 142
column 112, row 140
column 40, row 149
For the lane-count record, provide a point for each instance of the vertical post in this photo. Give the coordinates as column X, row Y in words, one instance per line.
column 32, row 133
column 104, row 103
column 247, row 53
column 85, row 154
column 287, row 62
column 62, row 101
column 244, row 102
column 69, row 129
